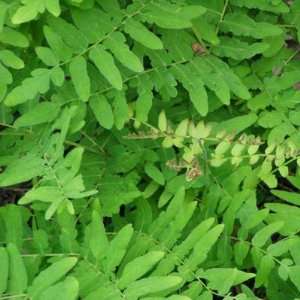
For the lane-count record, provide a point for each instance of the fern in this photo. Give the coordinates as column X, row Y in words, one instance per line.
column 196, row 139
column 172, row 262
column 149, row 149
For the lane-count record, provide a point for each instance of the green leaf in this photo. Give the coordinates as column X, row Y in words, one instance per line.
column 123, row 191
column 205, row 30
column 270, row 180
column 226, row 73
column 4, row 267
column 71, row 36
column 174, row 297
column 294, row 17
column 3, row 11
column 15, row 174
column 47, row 56
column 295, row 181
column 51, row 275
column 167, row 264
column 265, row 5
column 30, row 87
column 57, row 76
column 241, row 249
column 80, row 77
column 105, row 293
column 222, row 279
column 290, row 197
column 175, row 205
column 284, row 171
column 5, row 76
column 14, row 38
column 18, row 278
column 261, row 236
column 214, row 79
column 118, row 247
column 141, row 34
column 265, row 268
column 162, row 121
column 276, row 43
column 120, row 110
column 67, row 289
column 143, row 105
column 61, row 50
column 102, row 110
column 138, row 267
column 11, row 60
column 151, row 285
column 95, row 237
column 195, row 87
column 153, row 172
column 106, row 65
column 236, row 49
column 169, row 16
column 182, row 128
column 256, row 218
column 85, row 19
column 202, row 248
column 13, row 221
column 279, row 248
column 276, row 84
column 294, row 117
column 117, row 45
column 241, row 24
column 44, row 193
column 108, row 5
column 294, row 275
column 53, row 7
column 270, row 119
column 278, row 133
column 41, row 113
column 28, row 12
column 237, row 124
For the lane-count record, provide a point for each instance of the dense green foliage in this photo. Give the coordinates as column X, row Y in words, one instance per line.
column 149, row 149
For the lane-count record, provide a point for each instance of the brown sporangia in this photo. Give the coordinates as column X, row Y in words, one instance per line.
column 277, row 71
column 193, row 170
column 198, row 48
column 297, row 86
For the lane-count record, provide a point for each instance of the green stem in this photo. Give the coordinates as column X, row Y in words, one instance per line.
column 222, row 16
column 14, row 296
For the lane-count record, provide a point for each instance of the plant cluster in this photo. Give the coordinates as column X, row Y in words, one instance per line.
column 149, row 149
